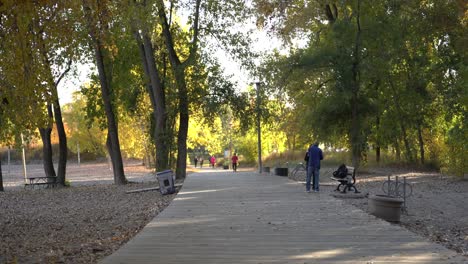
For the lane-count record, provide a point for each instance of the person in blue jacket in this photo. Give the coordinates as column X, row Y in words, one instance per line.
column 313, row 167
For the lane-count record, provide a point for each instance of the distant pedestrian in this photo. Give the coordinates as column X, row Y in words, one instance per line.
column 234, row 162
column 195, row 160
column 201, row 162
column 313, row 167
column 213, row 161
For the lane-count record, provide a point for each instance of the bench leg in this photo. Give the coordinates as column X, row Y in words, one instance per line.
column 352, row 186
column 338, row 188
column 355, row 189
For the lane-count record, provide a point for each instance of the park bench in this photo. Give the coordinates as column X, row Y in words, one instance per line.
column 41, row 181
column 347, row 180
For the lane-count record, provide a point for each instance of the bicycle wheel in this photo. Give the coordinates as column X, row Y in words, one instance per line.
column 404, row 190
column 388, row 187
column 303, row 167
column 292, row 172
column 296, row 170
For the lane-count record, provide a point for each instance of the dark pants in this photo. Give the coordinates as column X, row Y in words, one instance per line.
column 312, row 175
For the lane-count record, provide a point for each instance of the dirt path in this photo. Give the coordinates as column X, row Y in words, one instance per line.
column 83, row 174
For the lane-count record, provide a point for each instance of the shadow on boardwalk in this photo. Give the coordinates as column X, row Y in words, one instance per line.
column 244, row 217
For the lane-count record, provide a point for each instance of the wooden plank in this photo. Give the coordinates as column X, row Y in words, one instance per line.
column 225, row 217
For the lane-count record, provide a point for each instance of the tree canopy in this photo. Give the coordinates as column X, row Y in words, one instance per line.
column 375, row 76
column 385, row 78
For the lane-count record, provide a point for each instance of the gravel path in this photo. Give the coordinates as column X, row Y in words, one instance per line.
column 437, row 209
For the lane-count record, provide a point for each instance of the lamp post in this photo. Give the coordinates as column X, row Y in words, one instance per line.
column 259, row 132
column 78, row 152
column 230, row 142
column 24, row 158
column 9, row 159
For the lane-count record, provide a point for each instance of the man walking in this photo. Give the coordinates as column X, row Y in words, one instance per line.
column 313, row 167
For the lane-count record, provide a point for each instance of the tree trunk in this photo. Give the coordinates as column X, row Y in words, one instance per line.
column 112, row 130
column 377, row 143
column 47, row 152
column 109, row 150
column 408, row 152
column 377, row 154
column 356, row 139
column 178, row 69
column 156, row 92
column 105, row 81
column 397, row 151
column 421, row 143
column 63, row 150
column 56, row 114
column 183, row 125
column 401, row 122
column 47, row 146
column 161, row 139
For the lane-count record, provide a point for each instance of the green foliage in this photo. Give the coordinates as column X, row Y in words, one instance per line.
column 456, row 151
column 399, row 65
column 90, row 136
column 366, row 75
column 84, row 130
column 247, row 147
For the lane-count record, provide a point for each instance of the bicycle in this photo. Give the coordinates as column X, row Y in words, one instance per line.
column 397, row 188
column 299, row 167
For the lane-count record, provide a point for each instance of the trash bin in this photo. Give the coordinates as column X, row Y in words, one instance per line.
column 281, row 171
column 166, row 182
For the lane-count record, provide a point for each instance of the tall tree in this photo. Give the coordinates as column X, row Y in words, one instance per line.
column 21, row 75
column 178, row 68
column 57, row 50
column 359, row 69
column 97, row 16
column 141, row 29
column 208, row 19
column 45, row 26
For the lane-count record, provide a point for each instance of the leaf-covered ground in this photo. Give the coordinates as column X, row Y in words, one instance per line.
column 73, row 225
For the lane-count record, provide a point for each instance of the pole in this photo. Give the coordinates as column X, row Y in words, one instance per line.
column 230, row 143
column 9, row 158
column 259, row 132
column 78, row 152
column 24, row 158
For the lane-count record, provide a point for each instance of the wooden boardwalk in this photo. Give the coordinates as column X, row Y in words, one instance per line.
column 224, row 217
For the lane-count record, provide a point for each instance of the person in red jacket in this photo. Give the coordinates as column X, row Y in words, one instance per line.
column 213, row 161
column 234, row 162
